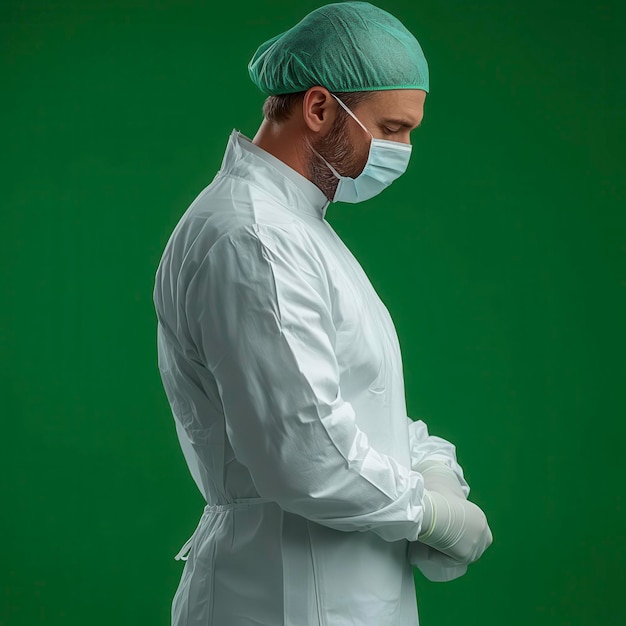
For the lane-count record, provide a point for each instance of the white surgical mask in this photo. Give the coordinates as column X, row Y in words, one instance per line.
column 386, row 161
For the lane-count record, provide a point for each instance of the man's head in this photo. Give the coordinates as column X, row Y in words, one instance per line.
column 315, row 121
column 362, row 55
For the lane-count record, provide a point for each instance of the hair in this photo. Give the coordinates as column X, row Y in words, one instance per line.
column 280, row 108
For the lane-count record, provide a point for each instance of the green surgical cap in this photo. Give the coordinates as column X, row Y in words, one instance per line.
column 346, row 46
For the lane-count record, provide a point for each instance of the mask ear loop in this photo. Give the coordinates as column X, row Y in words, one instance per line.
column 351, row 114
column 356, row 119
column 332, row 169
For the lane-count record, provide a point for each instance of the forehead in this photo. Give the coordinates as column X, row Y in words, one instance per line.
column 404, row 103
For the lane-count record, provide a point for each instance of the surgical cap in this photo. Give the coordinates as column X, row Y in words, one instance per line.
column 345, row 46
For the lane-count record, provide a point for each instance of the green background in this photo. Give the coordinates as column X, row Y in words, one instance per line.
column 501, row 255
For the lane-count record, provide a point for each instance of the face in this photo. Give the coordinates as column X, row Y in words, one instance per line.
column 390, row 115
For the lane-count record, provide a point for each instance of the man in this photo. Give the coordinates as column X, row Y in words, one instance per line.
column 282, row 365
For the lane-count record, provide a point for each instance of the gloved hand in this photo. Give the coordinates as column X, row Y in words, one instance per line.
column 452, row 525
column 436, row 566
column 439, row 477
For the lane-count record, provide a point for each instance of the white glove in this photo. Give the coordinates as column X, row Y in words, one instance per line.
column 439, row 477
column 452, row 525
column 435, row 565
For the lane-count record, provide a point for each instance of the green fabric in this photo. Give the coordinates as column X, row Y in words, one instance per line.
column 346, row 46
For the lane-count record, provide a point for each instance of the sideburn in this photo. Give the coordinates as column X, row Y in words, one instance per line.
column 337, row 149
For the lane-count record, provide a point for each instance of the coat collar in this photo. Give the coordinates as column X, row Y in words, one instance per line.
column 246, row 160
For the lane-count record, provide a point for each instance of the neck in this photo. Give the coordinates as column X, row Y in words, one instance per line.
column 283, row 142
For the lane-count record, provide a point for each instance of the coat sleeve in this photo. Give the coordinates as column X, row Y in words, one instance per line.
column 262, row 320
column 425, row 446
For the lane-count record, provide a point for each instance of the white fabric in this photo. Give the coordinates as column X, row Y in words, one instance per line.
column 284, row 375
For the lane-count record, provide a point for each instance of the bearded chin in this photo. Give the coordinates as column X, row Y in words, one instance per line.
column 319, row 173
column 339, row 152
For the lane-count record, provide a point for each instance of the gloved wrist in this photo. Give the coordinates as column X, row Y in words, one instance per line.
column 439, row 477
column 457, row 527
column 428, row 522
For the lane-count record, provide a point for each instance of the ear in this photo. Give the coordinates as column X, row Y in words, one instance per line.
column 319, row 110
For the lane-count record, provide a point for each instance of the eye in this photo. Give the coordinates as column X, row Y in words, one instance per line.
column 390, row 131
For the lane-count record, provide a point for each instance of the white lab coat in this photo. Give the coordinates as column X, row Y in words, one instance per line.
column 284, row 375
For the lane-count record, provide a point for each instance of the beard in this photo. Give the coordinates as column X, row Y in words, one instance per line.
column 339, row 151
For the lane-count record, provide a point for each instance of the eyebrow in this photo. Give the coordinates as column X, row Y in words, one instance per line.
column 400, row 122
